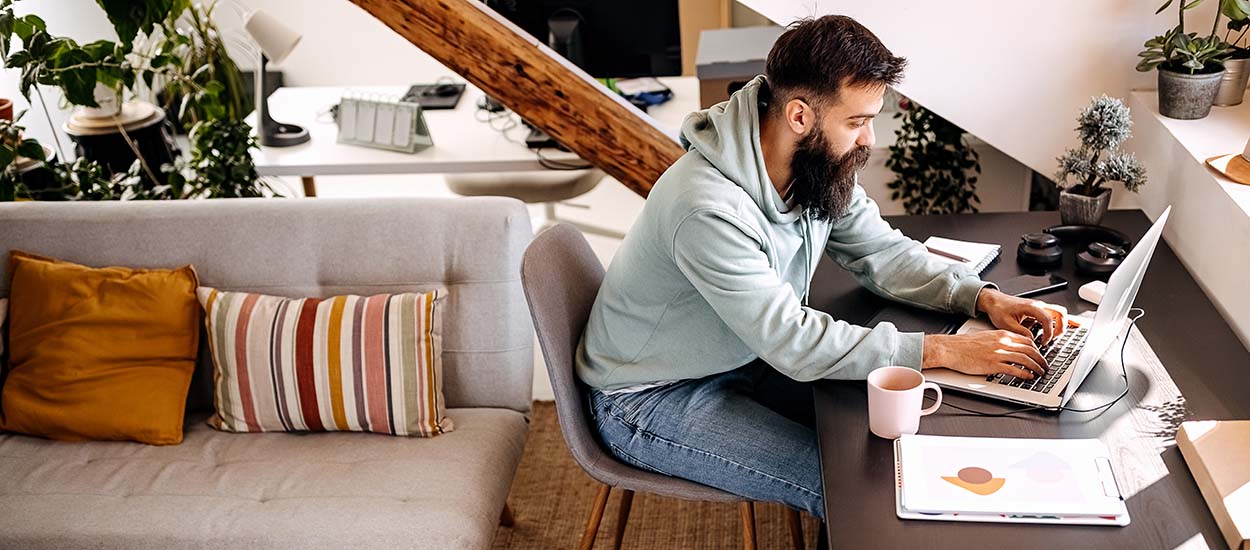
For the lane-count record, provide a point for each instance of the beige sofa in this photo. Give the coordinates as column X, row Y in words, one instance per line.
column 276, row 490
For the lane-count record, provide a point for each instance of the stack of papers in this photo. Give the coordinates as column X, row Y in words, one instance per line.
column 1065, row 481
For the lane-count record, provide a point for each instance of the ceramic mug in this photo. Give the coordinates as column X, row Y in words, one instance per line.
column 894, row 398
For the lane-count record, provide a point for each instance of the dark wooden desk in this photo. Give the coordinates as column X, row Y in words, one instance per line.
column 1204, row 358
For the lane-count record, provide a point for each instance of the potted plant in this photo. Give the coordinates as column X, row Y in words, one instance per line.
column 1102, row 126
column 1237, row 67
column 1189, row 67
column 935, row 168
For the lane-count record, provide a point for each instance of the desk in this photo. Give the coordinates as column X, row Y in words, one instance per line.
column 1206, row 362
column 461, row 142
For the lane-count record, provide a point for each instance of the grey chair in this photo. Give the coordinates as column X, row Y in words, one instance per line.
column 546, row 187
column 561, row 277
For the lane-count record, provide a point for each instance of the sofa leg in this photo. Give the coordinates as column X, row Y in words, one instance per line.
column 748, row 524
column 596, row 514
column 796, row 527
column 622, row 516
column 505, row 517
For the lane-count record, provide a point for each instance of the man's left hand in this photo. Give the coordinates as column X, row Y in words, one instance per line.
column 1009, row 312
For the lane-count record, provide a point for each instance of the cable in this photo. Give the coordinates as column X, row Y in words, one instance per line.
column 1123, row 373
column 506, row 121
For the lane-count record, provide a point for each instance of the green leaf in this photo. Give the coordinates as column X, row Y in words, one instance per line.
column 130, row 16
column 161, row 60
column 1191, row 5
column 28, row 25
column 7, row 156
column 1163, row 7
column 31, row 149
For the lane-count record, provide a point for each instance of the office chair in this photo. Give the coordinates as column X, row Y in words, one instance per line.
column 561, row 277
column 541, row 186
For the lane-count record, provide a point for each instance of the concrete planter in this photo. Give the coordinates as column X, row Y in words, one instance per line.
column 1079, row 209
column 1232, row 88
column 1187, row 96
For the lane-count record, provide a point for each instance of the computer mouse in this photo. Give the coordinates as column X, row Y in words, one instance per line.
column 442, row 90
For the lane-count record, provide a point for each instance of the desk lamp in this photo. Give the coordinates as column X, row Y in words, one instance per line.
column 276, row 42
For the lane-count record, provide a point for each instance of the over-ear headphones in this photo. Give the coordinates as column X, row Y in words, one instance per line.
column 1039, row 250
column 1100, row 259
column 1042, row 250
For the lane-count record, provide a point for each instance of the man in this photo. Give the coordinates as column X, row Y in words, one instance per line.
column 700, row 336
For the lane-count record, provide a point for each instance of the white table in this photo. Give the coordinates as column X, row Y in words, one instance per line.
column 461, row 142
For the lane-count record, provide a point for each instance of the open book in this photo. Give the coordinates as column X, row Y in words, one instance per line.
column 978, row 256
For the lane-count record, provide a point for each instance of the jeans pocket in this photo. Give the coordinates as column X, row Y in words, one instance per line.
column 635, row 461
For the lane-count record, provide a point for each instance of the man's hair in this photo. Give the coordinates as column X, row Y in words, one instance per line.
column 815, row 58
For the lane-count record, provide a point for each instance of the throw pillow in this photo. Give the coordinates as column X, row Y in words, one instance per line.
column 99, row 353
column 346, row 363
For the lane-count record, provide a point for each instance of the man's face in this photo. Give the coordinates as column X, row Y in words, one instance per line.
column 833, row 149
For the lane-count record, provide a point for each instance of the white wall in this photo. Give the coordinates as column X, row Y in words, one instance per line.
column 1014, row 74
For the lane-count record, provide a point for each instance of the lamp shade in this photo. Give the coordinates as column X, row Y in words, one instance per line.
column 275, row 39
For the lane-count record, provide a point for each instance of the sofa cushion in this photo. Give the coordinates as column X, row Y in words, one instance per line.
column 269, row 490
column 340, row 364
column 99, row 353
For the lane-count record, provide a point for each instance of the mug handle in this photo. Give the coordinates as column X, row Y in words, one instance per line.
column 938, row 403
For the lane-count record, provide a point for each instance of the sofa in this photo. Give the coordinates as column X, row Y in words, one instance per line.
column 289, row 490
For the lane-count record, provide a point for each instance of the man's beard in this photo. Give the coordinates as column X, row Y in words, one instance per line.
column 820, row 182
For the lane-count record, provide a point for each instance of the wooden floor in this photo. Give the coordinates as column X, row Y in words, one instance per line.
column 551, row 499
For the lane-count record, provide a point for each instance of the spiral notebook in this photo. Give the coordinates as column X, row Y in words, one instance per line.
column 978, row 255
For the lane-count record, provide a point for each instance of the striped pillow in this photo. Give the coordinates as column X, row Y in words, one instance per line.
column 347, row 363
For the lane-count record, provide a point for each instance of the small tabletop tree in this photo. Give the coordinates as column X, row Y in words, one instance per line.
column 1103, row 126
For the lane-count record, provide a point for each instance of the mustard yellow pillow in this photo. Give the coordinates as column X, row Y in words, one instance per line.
column 99, row 354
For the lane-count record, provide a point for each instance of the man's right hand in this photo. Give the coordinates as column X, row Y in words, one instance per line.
column 984, row 353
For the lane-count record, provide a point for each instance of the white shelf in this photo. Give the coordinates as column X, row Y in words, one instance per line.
column 1222, row 132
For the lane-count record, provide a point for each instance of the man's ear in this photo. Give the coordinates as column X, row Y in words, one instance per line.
column 799, row 116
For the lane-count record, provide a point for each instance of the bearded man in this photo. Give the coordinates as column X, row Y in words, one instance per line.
column 700, row 339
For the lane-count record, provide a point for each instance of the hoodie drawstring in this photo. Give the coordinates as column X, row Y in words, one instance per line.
column 807, row 256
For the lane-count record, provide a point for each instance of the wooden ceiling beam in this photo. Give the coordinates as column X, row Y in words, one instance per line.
column 536, row 83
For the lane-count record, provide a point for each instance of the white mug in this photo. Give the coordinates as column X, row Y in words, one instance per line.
column 894, row 398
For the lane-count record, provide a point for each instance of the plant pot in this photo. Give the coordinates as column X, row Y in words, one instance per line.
column 6, row 109
column 1187, row 96
column 109, row 101
column 1075, row 208
column 1232, row 88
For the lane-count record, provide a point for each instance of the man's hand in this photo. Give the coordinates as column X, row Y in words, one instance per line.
column 986, row 352
column 1009, row 313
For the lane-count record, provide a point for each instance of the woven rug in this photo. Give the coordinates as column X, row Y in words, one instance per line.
column 551, row 498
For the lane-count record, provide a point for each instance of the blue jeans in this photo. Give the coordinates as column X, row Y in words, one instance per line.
column 748, row 431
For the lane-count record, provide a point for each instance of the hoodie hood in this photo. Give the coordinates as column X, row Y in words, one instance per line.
column 727, row 135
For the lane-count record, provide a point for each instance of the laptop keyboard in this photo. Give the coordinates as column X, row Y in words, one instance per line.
column 1059, row 354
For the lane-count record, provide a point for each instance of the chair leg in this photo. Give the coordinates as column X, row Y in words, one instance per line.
column 622, row 516
column 748, row 524
column 596, row 514
column 796, row 527
column 505, row 517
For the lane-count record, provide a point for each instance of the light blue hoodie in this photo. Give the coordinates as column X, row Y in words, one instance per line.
column 716, row 271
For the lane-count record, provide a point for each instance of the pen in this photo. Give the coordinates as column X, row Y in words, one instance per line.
column 948, row 255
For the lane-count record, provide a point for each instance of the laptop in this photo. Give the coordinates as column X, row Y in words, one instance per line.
column 1073, row 354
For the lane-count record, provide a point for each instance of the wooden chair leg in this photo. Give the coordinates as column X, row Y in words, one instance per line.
column 622, row 516
column 505, row 517
column 310, row 185
column 596, row 514
column 796, row 527
column 748, row 525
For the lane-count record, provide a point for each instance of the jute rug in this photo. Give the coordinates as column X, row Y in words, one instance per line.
column 551, row 498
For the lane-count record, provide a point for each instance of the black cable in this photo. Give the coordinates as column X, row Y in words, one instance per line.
column 1123, row 373
column 511, row 122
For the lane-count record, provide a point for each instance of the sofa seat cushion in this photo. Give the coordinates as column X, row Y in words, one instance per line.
column 267, row 490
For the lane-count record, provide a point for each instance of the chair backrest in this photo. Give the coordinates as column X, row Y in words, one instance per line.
column 561, row 277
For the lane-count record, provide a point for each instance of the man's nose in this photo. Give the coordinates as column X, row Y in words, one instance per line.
column 866, row 137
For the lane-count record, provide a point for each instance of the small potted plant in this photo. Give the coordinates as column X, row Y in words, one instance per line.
column 1102, row 126
column 1237, row 67
column 1189, row 66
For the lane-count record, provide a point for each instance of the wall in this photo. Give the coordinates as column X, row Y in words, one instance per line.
column 1020, row 91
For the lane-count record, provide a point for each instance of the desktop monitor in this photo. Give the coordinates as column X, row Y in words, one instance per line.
column 606, row 38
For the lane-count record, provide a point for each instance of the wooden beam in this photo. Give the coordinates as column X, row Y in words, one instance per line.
column 536, row 83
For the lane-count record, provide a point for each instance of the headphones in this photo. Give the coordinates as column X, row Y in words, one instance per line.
column 1102, row 248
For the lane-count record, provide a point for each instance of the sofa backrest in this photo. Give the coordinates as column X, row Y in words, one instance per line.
column 324, row 247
